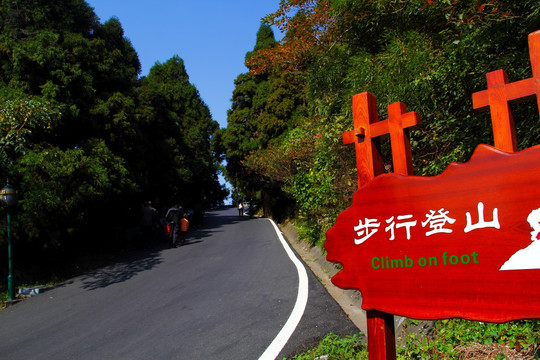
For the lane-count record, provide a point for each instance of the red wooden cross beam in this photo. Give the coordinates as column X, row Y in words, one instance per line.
column 381, row 333
column 367, row 127
column 368, row 158
column 398, row 120
column 500, row 93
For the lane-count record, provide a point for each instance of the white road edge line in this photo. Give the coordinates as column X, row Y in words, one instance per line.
column 298, row 311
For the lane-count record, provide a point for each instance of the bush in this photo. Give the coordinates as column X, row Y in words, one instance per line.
column 447, row 339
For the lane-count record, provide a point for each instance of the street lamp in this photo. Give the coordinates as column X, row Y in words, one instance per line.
column 8, row 196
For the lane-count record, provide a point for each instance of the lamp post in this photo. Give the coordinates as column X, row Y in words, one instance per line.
column 8, row 196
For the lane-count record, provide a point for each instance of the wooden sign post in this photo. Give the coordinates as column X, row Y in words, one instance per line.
column 456, row 245
column 367, row 128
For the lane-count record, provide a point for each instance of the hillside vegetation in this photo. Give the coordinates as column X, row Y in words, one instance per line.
column 283, row 140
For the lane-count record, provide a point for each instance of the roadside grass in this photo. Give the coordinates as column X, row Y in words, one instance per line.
column 332, row 346
column 447, row 339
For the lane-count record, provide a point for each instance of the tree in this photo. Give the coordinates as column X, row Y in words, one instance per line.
column 176, row 130
column 60, row 52
column 23, row 123
column 83, row 138
column 240, row 138
column 264, row 107
column 68, row 191
column 431, row 55
column 67, row 86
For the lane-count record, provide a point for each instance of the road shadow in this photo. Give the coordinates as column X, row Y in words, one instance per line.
column 128, row 265
column 123, row 269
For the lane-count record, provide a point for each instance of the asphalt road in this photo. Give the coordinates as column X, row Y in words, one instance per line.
column 226, row 294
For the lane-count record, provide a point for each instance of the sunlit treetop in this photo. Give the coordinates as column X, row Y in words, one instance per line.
column 314, row 26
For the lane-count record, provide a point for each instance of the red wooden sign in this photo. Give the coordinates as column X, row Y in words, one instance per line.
column 461, row 244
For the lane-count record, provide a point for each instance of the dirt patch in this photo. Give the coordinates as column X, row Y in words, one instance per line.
column 490, row 352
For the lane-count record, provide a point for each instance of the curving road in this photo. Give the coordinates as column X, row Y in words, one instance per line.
column 226, row 294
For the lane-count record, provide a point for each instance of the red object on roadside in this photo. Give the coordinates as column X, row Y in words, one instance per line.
column 456, row 245
column 184, row 224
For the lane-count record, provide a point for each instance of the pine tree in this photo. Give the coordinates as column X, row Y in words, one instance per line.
column 264, row 106
column 176, row 157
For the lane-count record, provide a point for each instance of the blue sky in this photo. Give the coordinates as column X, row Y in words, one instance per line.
column 211, row 36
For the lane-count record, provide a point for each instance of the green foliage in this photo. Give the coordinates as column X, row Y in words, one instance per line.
column 176, row 157
column 350, row 347
column 60, row 188
column 247, row 124
column 264, row 107
column 324, row 186
column 449, row 339
column 23, row 123
column 265, row 40
column 432, row 57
